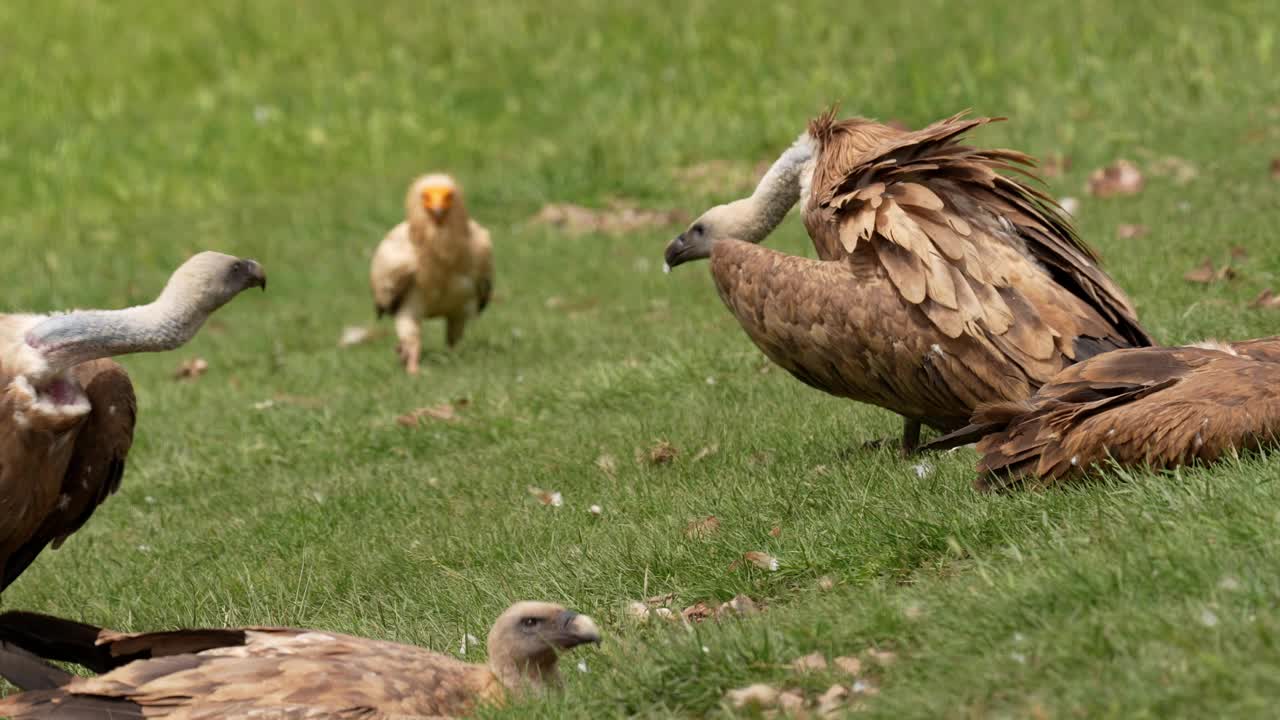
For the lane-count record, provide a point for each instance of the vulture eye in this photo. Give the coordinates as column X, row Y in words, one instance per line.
column 697, row 229
column 529, row 622
column 238, row 267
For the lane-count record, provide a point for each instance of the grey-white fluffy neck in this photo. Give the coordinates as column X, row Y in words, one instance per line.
column 786, row 182
column 82, row 335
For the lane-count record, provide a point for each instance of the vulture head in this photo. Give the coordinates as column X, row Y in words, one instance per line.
column 433, row 198
column 526, row 641
column 211, row 279
column 734, row 221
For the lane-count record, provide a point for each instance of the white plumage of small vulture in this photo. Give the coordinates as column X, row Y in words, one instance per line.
column 264, row 672
column 944, row 282
column 67, row 411
column 438, row 263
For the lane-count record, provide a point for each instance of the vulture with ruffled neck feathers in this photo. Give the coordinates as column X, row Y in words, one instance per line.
column 67, row 411
column 437, row 263
column 275, row 672
column 1157, row 408
column 943, row 282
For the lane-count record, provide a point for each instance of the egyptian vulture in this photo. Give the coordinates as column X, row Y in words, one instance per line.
column 437, row 263
column 943, row 283
column 274, row 672
column 67, row 411
column 1156, row 408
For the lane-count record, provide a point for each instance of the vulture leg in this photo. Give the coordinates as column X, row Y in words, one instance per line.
column 453, row 326
column 910, row 436
column 409, row 333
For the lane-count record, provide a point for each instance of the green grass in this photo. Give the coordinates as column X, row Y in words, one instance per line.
column 133, row 133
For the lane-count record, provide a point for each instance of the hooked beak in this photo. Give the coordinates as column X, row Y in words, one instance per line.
column 675, row 252
column 576, row 630
column 257, row 276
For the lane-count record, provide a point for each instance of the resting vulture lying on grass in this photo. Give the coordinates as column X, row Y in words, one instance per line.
column 1143, row 407
column 274, row 672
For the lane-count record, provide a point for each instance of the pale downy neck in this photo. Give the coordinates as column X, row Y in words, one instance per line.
column 785, row 183
column 519, row 676
column 82, row 335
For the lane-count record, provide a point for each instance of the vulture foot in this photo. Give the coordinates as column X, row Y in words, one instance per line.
column 907, row 446
column 409, row 352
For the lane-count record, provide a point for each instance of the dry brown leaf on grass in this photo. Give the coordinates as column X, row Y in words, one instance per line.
column 550, row 498
column 833, row 700
column 826, row 583
column 697, row 612
column 706, row 452
column 662, row 453
column 739, row 605
column 848, row 665
column 1239, row 252
column 759, row 696
column 1055, row 165
column 620, row 217
column 1267, row 299
column 445, row 412
column 813, row 662
column 702, row 528
column 1180, row 169
column 762, row 560
column 355, row 335
column 191, row 369
column 1206, row 273
column 1127, row 231
column 608, row 464
column 1275, row 168
column 1119, row 179
column 883, row 658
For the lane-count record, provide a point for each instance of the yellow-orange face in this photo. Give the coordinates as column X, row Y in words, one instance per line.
column 437, row 200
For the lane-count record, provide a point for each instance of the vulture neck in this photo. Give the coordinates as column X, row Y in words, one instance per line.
column 82, row 335
column 518, row 675
column 786, row 182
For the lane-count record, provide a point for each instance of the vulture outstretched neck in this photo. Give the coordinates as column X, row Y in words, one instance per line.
column 786, row 181
column 195, row 291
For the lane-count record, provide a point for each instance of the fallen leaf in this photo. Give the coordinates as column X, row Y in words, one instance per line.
column 191, row 369
column 759, row 696
column 762, row 560
column 792, row 703
column 848, row 665
column 354, row 335
column 638, row 612
column 813, row 662
column 833, row 700
column 1266, row 299
column 1120, row 179
column 697, row 612
column 775, row 531
column 883, row 658
column 608, row 464
column 706, row 452
column 1054, row 165
column 445, row 412
column 826, row 583
column 1205, row 273
column 1180, row 169
column 739, row 605
column 546, row 497
column 1239, row 252
column 1126, row 231
column 1275, row 168
column 702, row 528
column 620, row 217
column 662, row 453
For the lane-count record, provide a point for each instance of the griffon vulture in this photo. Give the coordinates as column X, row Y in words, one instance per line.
column 1141, row 407
column 274, row 672
column 67, row 412
column 943, row 282
column 438, row 263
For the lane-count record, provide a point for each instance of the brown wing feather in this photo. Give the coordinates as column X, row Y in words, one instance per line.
column 1154, row 407
column 956, row 235
column 96, row 464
